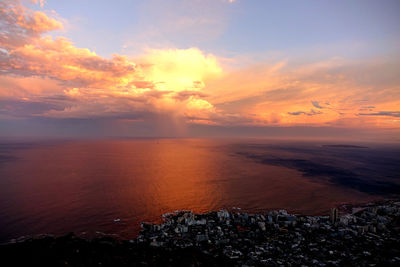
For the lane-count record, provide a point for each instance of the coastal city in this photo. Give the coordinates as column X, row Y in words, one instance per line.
column 365, row 235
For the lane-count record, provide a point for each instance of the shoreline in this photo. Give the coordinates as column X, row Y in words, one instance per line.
column 352, row 235
column 342, row 206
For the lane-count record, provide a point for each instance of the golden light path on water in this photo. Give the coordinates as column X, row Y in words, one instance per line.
column 82, row 186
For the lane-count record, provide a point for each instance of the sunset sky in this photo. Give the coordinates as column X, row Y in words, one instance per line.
column 200, row 68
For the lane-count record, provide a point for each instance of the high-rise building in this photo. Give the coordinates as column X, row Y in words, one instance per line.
column 334, row 215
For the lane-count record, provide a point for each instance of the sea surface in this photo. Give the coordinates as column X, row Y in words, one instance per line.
column 110, row 186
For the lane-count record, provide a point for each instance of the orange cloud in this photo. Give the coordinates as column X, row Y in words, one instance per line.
column 326, row 93
column 19, row 24
column 51, row 77
column 94, row 86
column 60, row 59
column 37, row 22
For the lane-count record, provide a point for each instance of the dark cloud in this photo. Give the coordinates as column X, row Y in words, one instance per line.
column 56, row 98
column 316, row 104
column 382, row 113
column 101, row 64
column 311, row 113
column 153, row 94
column 297, row 113
column 18, row 108
column 368, row 107
column 181, row 96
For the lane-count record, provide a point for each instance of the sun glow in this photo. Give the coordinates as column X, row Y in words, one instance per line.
column 189, row 85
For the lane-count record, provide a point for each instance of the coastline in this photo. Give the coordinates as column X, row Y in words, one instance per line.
column 352, row 235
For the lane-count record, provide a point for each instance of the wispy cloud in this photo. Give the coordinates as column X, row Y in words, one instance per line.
column 41, row 3
column 311, row 113
column 316, row 104
column 382, row 113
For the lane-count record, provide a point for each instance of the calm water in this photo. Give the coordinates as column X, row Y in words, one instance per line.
column 82, row 186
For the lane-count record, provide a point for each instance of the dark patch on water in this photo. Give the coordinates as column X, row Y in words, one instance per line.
column 13, row 146
column 5, row 158
column 373, row 171
column 7, row 150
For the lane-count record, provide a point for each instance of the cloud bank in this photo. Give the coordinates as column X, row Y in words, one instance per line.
column 49, row 77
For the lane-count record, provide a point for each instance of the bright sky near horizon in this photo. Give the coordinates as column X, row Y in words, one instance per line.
column 166, row 68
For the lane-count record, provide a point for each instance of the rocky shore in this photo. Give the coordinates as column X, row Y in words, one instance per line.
column 366, row 235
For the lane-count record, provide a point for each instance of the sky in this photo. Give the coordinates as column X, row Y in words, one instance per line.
column 189, row 68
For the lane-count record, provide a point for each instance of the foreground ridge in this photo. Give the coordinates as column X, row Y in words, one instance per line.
column 366, row 235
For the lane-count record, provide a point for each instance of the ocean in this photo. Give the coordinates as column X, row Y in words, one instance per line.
column 91, row 187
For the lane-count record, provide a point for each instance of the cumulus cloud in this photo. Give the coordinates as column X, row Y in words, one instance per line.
column 25, row 52
column 42, row 76
column 19, row 25
column 180, row 69
column 60, row 59
column 164, row 81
